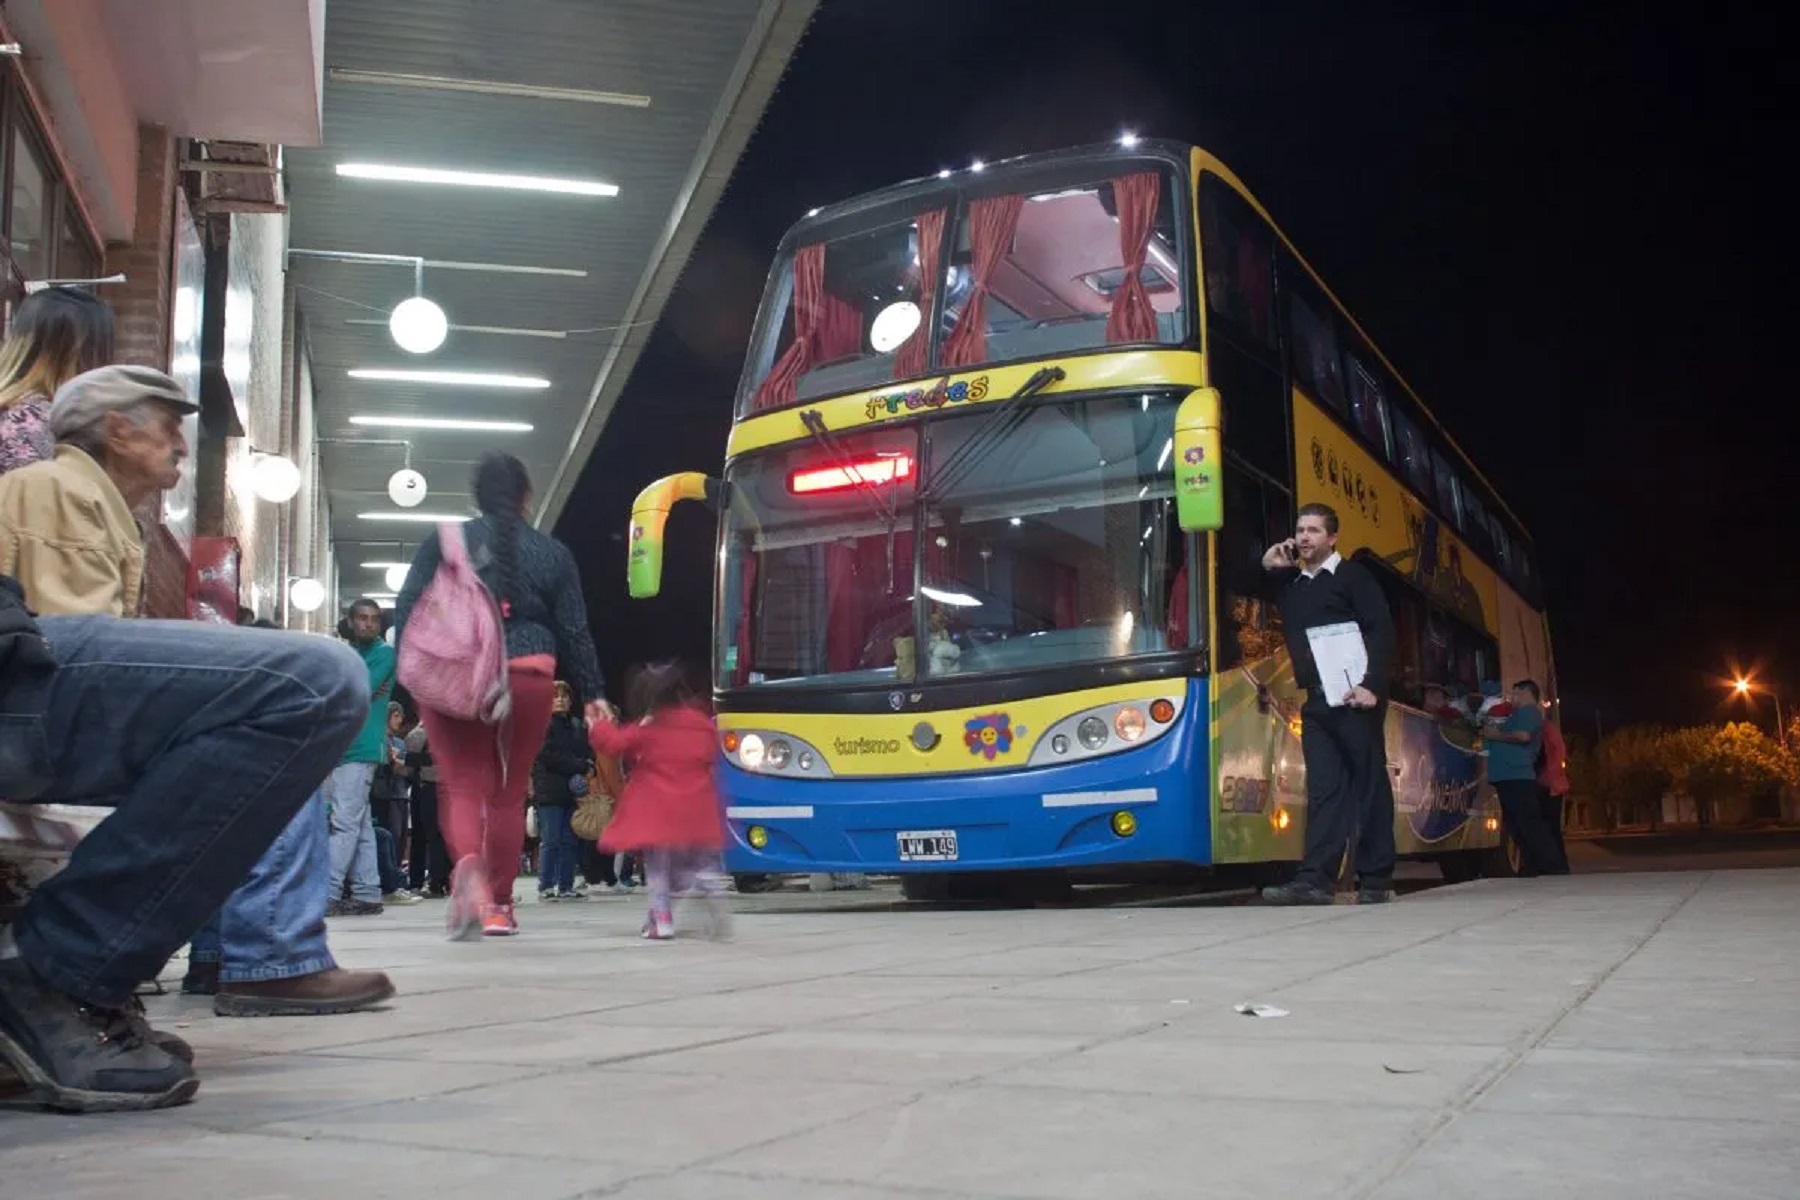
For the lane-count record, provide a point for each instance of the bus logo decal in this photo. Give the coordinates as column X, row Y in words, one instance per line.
column 939, row 394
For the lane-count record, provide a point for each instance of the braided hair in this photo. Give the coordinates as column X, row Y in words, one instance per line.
column 502, row 488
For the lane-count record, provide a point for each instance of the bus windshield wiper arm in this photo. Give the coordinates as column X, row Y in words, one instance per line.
column 887, row 510
column 1005, row 418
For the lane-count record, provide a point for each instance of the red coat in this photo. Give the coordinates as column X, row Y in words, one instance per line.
column 670, row 798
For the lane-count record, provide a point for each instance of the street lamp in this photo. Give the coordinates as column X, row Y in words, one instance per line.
column 1745, row 687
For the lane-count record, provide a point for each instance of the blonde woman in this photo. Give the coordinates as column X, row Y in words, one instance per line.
column 56, row 334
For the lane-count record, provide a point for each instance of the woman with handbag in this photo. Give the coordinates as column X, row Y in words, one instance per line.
column 558, row 780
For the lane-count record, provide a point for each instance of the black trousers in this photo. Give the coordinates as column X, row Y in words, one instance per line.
column 1552, row 807
column 1349, row 794
column 1522, row 808
column 428, row 849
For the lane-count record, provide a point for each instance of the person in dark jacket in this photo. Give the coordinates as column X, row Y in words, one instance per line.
column 564, row 759
column 481, row 783
column 1349, row 795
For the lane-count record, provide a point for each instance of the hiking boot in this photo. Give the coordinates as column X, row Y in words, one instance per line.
column 76, row 1057
column 1297, row 893
column 319, row 994
column 171, row 1044
column 202, row 979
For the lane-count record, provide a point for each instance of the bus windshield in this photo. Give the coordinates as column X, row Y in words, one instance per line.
column 956, row 280
column 1055, row 546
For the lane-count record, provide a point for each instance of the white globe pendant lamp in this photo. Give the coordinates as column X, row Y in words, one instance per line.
column 407, row 488
column 418, row 325
column 396, row 576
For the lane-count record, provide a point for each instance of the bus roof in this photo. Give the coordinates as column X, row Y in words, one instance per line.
column 1178, row 154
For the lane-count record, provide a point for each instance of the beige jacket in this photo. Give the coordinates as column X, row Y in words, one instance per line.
column 68, row 537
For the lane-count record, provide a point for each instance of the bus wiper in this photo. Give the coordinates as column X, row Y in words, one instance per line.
column 1007, row 416
column 887, row 510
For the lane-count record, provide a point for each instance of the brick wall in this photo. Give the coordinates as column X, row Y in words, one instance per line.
column 141, row 316
column 141, row 304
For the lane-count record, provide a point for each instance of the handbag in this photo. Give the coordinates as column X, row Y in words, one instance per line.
column 531, row 822
column 593, row 813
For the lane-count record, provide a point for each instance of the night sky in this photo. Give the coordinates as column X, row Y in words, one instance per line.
column 1561, row 229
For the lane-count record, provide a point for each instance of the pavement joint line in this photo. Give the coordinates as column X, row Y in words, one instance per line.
column 1486, row 1081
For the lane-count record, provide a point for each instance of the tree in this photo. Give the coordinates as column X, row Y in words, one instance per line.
column 1716, row 763
column 1629, row 769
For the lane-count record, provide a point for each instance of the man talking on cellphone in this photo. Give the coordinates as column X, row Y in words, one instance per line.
column 1349, row 796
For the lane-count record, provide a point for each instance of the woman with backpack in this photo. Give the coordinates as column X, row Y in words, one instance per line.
column 486, row 707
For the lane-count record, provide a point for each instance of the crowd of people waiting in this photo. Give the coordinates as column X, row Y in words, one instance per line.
column 247, row 768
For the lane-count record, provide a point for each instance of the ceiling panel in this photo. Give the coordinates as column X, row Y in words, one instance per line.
column 707, row 67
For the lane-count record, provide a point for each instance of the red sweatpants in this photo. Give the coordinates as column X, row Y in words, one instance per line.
column 479, row 814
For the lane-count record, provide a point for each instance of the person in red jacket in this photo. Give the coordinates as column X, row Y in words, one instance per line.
column 669, row 808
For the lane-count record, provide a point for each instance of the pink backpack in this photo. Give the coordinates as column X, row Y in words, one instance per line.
column 453, row 649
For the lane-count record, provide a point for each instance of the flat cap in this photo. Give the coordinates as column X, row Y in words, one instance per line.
column 92, row 394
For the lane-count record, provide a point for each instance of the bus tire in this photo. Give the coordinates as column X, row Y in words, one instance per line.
column 930, row 889
column 1462, row 866
column 1502, row 861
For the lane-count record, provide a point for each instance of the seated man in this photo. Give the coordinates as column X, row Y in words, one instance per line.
column 206, row 740
column 67, row 534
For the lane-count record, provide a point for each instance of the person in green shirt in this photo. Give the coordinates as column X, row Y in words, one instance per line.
column 1512, row 753
column 347, row 788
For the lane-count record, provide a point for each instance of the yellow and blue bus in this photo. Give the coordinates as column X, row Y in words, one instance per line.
column 1009, row 443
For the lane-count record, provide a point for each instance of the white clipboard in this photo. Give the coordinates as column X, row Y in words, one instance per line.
column 1342, row 658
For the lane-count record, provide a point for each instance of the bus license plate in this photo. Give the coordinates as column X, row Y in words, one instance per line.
column 936, row 845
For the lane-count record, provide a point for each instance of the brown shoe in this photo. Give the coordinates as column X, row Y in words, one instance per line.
column 319, row 994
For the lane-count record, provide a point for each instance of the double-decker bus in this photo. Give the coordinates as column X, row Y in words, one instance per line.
column 1009, row 444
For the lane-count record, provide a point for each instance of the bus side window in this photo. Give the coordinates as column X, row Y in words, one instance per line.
column 1256, row 516
column 1256, row 411
column 1408, row 608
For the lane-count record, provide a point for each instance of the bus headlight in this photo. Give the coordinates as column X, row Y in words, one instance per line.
column 1162, row 711
column 778, row 754
column 1092, row 732
column 806, row 760
column 757, row 836
column 1124, row 823
column 750, row 751
column 1128, row 723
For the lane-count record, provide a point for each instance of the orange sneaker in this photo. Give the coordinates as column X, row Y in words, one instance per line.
column 497, row 921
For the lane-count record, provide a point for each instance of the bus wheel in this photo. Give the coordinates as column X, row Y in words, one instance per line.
column 1462, row 866
column 928, row 888
column 1502, row 861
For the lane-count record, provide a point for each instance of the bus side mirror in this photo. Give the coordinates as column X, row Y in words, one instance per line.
column 649, row 514
column 1199, row 462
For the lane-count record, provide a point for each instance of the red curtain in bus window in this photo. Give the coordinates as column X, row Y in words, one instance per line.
column 1176, row 624
column 844, row 612
column 992, row 223
column 1133, row 319
column 809, row 291
column 746, row 630
column 1067, row 597
column 912, row 357
column 838, row 333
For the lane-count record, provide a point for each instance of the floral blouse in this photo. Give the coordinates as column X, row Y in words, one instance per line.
column 25, row 433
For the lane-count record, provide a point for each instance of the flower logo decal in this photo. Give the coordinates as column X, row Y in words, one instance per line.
column 1194, row 455
column 990, row 735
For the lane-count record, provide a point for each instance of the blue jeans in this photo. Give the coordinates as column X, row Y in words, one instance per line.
column 387, row 860
column 557, row 849
column 353, row 832
column 273, row 927
column 205, row 739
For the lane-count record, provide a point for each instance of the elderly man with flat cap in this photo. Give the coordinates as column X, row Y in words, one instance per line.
column 66, row 527
column 67, row 534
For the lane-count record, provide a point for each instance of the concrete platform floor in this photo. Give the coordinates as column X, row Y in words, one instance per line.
column 1619, row 1035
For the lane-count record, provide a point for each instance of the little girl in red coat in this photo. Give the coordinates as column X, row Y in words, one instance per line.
column 669, row 808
